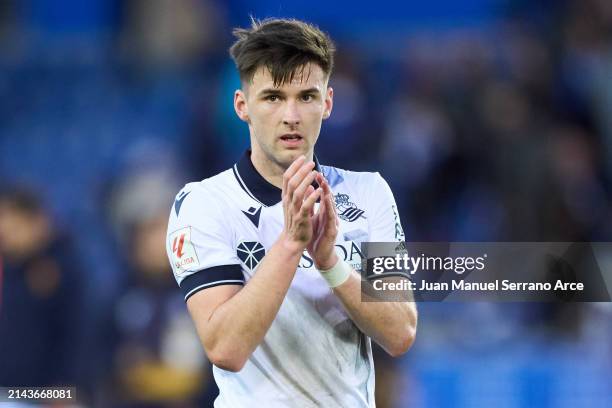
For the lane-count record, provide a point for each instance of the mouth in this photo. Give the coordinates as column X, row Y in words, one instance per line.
column 291, row 136
column 291, row 140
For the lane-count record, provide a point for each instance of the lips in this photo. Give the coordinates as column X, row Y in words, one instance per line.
column 291, row 136
column 292, row 141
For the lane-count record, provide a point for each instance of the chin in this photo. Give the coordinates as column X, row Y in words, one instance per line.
column 289, row 156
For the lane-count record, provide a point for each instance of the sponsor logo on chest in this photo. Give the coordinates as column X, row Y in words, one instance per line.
column 348, row 251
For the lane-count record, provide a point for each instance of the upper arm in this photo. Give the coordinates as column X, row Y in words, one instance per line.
column 203, row 304
column 201, row 250
column 386, row 226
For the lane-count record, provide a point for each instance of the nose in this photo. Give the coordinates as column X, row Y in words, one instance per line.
column 291, row 116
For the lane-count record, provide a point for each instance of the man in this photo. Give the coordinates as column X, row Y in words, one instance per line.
column 40, row 296
column 264, row 251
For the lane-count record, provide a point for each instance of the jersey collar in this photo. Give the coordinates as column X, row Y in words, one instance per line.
column 257, row 187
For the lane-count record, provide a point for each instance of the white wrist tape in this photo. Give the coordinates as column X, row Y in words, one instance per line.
column 338, row 274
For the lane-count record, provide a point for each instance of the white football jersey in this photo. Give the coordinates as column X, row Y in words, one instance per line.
column 313, row 355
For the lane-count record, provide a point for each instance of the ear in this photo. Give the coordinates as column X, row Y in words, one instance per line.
column 329, row 102
column 240, row 105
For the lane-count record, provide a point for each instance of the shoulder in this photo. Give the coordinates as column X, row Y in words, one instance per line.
column 201, row 197
column 361, row 188
column 362, row 181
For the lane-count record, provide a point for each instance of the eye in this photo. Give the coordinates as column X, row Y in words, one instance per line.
column 272, row 98
column 307, row 97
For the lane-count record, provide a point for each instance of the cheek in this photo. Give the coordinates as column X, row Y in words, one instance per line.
column 264, row 116
column 314, row 111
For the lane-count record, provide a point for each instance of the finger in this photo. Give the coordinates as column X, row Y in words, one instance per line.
column 315, row 222
column 297, row 179
column 323, row 183
column 309, row 203
column 298, row 194
column 331, row 213
column 327, row 193
column 329, row 198
column 321, row 210
column 309, row 190
column 291, row 170
column 334, row 211
column 320, row 180
column 315, row 214
column 294, row 169
column 330, row 194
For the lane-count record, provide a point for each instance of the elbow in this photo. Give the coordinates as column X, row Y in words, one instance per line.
column 402, row 344
column 404, row 340
column 227, row 360
column 232, row 366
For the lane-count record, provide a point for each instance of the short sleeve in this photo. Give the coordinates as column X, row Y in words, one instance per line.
column 199, row 243
column 385, row 224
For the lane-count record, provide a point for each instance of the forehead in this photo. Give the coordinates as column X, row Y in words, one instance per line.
column 306, row 77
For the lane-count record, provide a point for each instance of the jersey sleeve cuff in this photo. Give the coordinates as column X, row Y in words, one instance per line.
column 211, row 277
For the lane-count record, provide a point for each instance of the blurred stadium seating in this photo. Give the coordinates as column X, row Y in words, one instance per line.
column 489, row 118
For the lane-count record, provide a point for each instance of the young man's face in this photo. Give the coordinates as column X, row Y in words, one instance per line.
column 285, row 121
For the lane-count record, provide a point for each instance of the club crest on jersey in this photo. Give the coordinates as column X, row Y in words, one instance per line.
column 347, row 210
column 250, row 253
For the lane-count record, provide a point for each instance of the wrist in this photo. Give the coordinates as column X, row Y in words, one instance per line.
column 289, row 246
column 339, row 273
column 327, row 263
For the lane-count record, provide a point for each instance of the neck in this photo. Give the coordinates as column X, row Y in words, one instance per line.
column 270, row 170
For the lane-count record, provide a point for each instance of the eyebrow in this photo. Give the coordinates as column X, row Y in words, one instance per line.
column 275, row 91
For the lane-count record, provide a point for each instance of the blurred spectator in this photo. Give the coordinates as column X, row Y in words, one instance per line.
column 158, row 359
column 40, row 296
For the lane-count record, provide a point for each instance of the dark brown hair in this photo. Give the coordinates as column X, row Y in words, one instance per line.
column 284, row 46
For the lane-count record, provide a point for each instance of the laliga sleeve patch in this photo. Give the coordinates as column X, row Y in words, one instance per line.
column 184, row 257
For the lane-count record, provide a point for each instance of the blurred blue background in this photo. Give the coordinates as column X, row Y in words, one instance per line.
column 490, row 119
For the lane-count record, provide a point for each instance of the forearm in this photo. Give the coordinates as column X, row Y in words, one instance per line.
column 239, row 325
column 391, row 324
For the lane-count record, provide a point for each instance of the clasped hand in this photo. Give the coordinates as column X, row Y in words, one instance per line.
column 305, row 228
